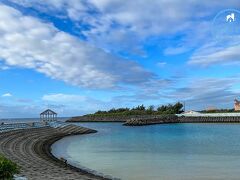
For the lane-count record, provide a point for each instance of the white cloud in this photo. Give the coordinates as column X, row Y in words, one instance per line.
column 4, row 67
column 64, row 98
column 27, row 42
column 227, row 53
column 161, row 64
column 125, row 25
column 175, row 50
column 30, row 43
column 158, row 16
column 200, row 93
column 73, row 102
column 7, row 95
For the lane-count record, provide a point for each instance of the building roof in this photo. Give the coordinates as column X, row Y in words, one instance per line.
column 191, row 112
column 236, row 101
column 48, row 111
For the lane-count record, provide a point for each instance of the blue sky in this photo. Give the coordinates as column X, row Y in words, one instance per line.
column 79, row 56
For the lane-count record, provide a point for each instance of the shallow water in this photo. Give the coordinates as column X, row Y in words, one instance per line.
column 26, row 120
column 165, row 152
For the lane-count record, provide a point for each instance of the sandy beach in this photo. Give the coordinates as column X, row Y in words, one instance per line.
column 31, row 150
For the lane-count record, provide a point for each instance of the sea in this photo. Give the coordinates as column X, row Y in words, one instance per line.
column 25, row 120
column 156, row 152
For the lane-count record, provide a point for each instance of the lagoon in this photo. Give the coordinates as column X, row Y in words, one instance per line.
column 166, row 151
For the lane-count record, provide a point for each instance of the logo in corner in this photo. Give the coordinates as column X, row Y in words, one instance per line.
column 230, row 17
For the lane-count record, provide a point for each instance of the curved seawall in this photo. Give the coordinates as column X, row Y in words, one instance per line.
column 31, row 150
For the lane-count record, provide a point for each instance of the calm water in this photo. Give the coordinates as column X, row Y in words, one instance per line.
column 25, row 120
column 160, row 152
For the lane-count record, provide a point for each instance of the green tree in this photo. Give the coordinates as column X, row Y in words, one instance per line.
column 139, row 108
column 7, row 168
column 178, row 108
column 162, row 108
column 142, row 110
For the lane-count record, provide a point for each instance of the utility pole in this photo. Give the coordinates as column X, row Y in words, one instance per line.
column 184, row 106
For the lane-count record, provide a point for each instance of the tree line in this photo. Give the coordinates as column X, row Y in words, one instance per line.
column 142, row 110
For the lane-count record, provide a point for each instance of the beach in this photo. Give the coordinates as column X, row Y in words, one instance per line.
column 31, row 150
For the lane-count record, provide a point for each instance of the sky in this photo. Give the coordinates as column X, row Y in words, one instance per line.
column 80, row 56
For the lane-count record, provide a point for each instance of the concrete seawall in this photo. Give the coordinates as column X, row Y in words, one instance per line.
column 201, row 119
column 175, row 119
column 98, row 119
column 31, row 150
column 138, row 120
column 149, row 120
column 111, row 118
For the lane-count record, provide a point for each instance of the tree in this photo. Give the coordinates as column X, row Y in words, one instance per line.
column 162, row 108
column 139, row 108
column 7, row 168
column 150, row 108
column 178, row 108
column 142, row 110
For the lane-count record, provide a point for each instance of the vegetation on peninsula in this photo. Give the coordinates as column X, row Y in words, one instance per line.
column 142, row 110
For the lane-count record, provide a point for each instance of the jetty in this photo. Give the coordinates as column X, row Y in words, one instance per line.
column 181, row 118
column 30, row 147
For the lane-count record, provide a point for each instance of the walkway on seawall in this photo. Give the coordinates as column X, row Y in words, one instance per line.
column 30, row 149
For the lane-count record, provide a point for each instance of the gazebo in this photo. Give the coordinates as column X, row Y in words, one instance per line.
column 48, row 115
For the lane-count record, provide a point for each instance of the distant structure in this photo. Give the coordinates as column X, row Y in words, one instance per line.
column 211, row 108
column 191, row 112
column 236, row 105
column 48, row 115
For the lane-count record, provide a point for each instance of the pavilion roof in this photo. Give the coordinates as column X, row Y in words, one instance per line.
column 48, row 111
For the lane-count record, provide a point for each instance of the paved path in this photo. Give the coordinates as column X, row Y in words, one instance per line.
column 29, row 148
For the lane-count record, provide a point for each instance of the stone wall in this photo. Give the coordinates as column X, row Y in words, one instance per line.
column 227, row 119
column 139, row 120
column 175, row 119
column 113, row 118
column 152, row 120
column 100, row 118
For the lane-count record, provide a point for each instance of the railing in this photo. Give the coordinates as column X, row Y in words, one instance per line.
column 14, row 126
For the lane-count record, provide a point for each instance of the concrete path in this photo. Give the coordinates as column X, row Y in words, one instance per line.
column 29, row 148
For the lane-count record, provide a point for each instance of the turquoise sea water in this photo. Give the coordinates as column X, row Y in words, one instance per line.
column 159, row 152
column 25, row 120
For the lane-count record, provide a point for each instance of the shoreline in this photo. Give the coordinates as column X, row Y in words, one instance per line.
column 141, row 120
column 31, row 150
column 47, row 148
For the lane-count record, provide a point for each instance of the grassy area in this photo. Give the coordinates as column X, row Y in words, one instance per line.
column 7, row 168
column 141, row 110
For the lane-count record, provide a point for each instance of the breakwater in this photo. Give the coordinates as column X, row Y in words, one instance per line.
column 139, row 120
column 181, row 119
column 209, row 119
column 149, row 120
column 98, row 119
column 116, row 118
column 31, row 150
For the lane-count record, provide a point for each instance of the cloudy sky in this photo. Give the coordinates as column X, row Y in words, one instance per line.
column 79, row 56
